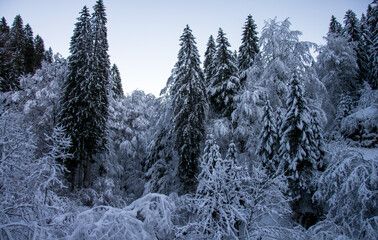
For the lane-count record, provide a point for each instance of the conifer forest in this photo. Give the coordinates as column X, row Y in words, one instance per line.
column 270, row 141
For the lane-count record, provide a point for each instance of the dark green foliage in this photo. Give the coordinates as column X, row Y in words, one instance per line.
column 225, row 82
column 249, row 47
column 371, row 22
column 334, row 26
column 16, row 46
column 116, row 81
column 49, row 55
column 189, row 109
column 39, row 47
column 5, row 55
column 29, row 53
column 85, row 101
column 208, row 64
column 351, row 27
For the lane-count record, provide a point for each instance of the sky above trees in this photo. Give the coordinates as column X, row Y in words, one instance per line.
column 144, row 35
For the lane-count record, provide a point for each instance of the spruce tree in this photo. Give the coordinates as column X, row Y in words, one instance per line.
column 39, row 47
column 49, row 55
column 116, row 81
column 371, row 21
column 297, row 154
column 363, row 51
column 16, row 44
column 208, row 64
column 74, row 111
column 351, row 27
column 189, row 109
column 334, row 26
column 318, row 150
column 225, row 82
column 29, row 52
column 249, row 47
column 268, row 137
column 4, row 55
column 295, row 145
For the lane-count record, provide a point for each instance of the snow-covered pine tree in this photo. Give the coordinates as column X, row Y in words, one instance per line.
column 116, row 81
column 248, row 49
column 297, row 154
column 268, row 137
column 372, row 20
column 189, row 109
column 296, row 140
column 96, row 88
column 208, row 63
column 225, row 82
column 363, row 51
column 221, row 196
column 318, row 147
column 29, row 53
column 4, row 55
column 39, row 47
column 17, row 45
column 73, row 106
column 351, row 27
column 334, row 26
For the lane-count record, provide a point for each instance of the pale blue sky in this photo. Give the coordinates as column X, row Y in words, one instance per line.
column 144, row 34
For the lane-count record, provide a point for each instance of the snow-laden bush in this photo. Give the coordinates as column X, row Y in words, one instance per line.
column 362, row 126
column 147, row 218
column 348, row 189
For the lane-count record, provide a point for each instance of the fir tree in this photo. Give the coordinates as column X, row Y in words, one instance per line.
column 4, row 55
column 297, row 153
column 16, row 45
column 249, row 47
column 29, row 52
column 95, row 87
column 225, row 81
column 334, row 26
column 295, row 150
column 49, row 55
column 221, row 195
column 208, row 64
column 318, row 150
column 74, row 115
column 116, row 81
column 371, row 22
column 39, row 47
column 363, row 48
column 189, row 109
column 267, row 147
column 351, row 27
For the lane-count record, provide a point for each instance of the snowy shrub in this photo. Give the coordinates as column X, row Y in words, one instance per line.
column 362, row 126
column 147, row 218
column 348, row 189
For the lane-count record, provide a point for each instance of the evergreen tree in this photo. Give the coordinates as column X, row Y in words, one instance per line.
column 371, row 22
column 39, row 47
column 29, row 52
column 74, row 115
column 16, row 45
column 4, row 55
column 295, row 150
column 189, row 109
column 363, row 48
column 208, row 64
column 297, row 153
column 221, row 195
column 267, row 147
column 249, row 47
column 334, row 26
column 49, row 56
column 351, row 27
column 225, row 82
column 116, row 81
column 96, row 88
column 318, row 150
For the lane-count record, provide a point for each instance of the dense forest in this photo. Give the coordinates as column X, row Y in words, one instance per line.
column 266, row 142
